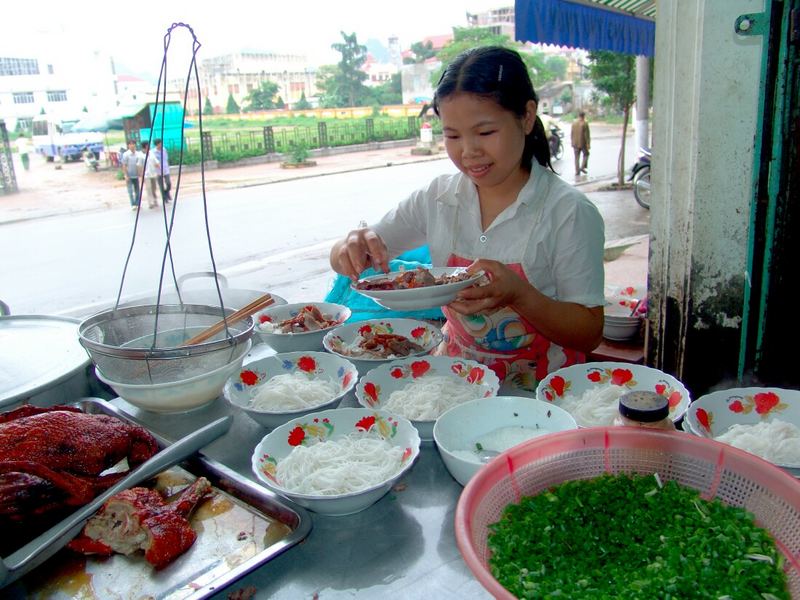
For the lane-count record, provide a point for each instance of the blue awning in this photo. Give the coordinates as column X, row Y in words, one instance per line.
column 566, row 23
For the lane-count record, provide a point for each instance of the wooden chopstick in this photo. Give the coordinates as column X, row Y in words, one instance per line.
column 244, row 312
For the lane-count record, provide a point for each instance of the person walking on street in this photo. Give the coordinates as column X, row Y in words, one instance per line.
column 131, row 165
column 164, row 182
column 24, row 149
column 151, row 170
column 580, row 143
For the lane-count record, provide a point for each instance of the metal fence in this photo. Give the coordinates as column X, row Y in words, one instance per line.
column 276, row 139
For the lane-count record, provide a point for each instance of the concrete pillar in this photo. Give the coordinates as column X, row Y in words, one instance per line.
column 642, row 119
column 705, row 118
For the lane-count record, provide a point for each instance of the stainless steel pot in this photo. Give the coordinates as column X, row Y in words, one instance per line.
column 42, row 362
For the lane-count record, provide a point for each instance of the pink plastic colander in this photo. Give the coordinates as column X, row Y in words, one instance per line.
column 716, row 470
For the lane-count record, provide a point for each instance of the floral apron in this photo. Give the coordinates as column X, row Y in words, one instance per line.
column 504, row 341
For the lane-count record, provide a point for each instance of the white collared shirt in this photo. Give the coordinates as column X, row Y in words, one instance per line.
column 552, row 229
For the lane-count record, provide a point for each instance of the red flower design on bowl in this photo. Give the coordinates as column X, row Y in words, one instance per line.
column 248, row 377
column 765, row 402
column 307, row 364
column 296, row 436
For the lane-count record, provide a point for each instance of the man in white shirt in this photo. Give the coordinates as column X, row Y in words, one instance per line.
column 151, row 169
column 132, row 161
column 164, row 182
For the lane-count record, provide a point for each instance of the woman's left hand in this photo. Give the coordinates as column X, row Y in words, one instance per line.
column 504, row 288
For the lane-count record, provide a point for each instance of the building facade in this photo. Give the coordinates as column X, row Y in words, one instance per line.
column 239, row 74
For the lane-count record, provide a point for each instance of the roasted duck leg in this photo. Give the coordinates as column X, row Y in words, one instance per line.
column 139, row 519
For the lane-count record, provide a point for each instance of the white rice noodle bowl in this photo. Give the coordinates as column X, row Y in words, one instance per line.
column 426, row 398
column 348, row 464
column 596, row 407
column 776, row 441
column 292, row 391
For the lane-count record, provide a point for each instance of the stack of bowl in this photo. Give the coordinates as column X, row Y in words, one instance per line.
column 139, row 351
column 623, row 319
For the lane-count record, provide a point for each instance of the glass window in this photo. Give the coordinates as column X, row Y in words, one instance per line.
column 18, row 66
column 57, row 96
column 23, row 97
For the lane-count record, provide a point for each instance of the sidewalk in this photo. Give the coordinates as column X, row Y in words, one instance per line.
column 47, row 191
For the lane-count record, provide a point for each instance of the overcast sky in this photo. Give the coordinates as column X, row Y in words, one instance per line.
column 134, row 32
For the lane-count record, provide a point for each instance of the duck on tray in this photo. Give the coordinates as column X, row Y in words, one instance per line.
column 52, row 461
column 140, row 519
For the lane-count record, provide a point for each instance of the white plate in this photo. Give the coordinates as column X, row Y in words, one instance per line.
column 422, row 297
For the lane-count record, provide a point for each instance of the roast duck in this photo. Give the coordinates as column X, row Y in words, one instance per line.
column 52, row 461
column 140, row 519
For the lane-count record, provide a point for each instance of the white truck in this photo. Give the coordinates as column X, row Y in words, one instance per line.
column 53, row 138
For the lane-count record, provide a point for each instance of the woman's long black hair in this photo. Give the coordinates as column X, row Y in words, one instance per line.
column 499, row 74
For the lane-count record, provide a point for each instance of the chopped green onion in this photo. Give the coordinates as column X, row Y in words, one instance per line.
column 619, row 537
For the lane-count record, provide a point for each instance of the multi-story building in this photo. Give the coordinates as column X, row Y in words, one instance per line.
column 499, row 20
column 240, row 73
column 33, row 83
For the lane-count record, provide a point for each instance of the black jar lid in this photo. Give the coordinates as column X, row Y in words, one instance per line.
column 647, row 407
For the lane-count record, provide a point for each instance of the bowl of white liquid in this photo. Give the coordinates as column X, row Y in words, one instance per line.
column 469, row 434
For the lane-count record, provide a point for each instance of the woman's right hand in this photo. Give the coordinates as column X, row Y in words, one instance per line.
column 362, row 248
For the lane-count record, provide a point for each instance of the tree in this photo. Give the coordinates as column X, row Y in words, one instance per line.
column 329, row 90
column 207, row 108
column 615, row 74
column 262, row 98
column 465, row 38
column 390, row 92
column 349, row 78
column 557, row 65
column 422, row 51
column 303, row 103
column 232, row 108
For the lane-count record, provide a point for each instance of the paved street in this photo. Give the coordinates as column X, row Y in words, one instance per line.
column 70, row 229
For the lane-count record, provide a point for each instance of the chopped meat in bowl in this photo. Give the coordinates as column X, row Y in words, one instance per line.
column 368, row 344
column 298, row 327
column 309, row 318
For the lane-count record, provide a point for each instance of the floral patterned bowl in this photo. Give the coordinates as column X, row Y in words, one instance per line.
column 375, row 388
column 715, row 413
column 329, row 425
column 340, row 340
column 301, row 341
column 576, row 380
column 244, row 384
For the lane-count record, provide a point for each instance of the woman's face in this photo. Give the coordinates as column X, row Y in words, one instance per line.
column 484, row 140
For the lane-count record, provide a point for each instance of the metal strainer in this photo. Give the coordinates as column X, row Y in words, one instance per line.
column 123, row 345
column 143, row 345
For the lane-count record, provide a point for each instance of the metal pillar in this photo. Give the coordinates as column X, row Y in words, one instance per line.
column 641, row 115
column 8, row 178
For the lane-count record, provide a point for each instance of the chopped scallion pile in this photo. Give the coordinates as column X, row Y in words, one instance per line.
column 632, row 537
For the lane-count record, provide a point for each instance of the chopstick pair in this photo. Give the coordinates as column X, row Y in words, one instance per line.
column 246, row 311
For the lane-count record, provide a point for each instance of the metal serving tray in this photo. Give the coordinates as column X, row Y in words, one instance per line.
column 241, row 527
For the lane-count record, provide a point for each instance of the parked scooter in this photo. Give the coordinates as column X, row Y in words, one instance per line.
column 556, row 142
column 640, row 175
column 90, row 160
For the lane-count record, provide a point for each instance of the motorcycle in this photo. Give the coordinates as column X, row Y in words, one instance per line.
column 640, row 176
column 556, row 143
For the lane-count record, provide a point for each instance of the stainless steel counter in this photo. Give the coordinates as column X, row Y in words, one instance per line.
column 401, row 547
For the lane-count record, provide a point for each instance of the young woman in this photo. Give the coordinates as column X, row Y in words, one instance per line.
column 539, row 240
